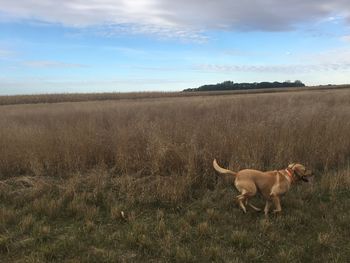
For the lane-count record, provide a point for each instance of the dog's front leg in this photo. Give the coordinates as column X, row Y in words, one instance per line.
column 267, row 207
column 277, row 203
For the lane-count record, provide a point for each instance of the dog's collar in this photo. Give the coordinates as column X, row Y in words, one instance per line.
column 290, row 174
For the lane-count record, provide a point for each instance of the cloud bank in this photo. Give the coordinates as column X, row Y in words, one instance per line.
column 178, row 17
column 287, row 69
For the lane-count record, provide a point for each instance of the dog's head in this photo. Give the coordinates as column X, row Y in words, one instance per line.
column 300, row 172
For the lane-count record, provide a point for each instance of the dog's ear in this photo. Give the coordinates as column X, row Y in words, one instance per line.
column 300, row 169
column 291, row 166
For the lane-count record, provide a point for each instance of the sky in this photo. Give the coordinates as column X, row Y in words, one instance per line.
column 69, row 46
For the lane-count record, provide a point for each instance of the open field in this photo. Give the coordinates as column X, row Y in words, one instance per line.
column 79, row 97
column 67, row 170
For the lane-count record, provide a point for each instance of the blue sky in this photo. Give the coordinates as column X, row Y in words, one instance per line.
column 147, row 45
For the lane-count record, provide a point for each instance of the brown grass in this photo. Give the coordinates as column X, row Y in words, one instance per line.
column 176, row 137
column 78, row 97
column 69, row 170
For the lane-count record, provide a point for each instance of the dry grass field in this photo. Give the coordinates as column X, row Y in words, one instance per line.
column 79, row 97
column 68, row 170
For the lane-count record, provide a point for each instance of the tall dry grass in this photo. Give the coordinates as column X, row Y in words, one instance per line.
column 108, row 181
column 161, row 143
column 79, row 97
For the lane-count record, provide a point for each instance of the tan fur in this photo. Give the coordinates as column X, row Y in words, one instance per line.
column 271, row 184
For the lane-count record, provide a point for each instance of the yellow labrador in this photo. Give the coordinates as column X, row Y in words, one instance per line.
column 271, row 184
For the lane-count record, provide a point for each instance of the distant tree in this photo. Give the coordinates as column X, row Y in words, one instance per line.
column 230, row 85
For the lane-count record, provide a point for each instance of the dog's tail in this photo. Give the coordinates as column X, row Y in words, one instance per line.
column 222, row 170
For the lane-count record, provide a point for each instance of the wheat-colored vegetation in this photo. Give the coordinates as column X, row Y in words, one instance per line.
column 78, row 97
column 131, row 180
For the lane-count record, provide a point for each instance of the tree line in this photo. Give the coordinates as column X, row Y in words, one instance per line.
column 230, row 85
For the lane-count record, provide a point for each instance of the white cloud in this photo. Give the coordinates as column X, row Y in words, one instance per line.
column 340, row 56
column 182, row 18
column 51, row 64
column 160, row 31
column 287, row 69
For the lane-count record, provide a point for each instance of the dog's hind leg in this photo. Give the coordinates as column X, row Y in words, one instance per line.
column 247, row 190
column 242, row 200
column 254, row 207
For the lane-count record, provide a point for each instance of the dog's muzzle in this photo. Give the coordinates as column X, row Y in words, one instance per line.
column 305, row 179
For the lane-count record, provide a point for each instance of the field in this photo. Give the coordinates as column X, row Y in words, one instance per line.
column 79, row 97
column 69, row 170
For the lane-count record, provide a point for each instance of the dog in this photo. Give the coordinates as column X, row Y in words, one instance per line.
column 271, row 184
